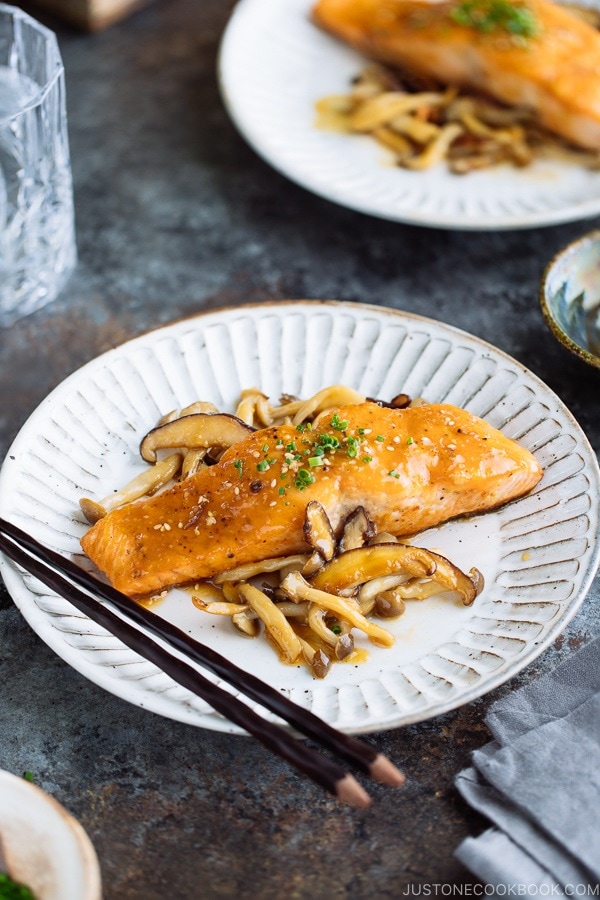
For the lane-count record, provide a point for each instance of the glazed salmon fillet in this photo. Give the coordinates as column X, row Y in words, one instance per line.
column 409, row 468
column 554, row 71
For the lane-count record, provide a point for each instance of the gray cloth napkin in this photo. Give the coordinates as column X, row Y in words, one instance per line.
column 539, row 784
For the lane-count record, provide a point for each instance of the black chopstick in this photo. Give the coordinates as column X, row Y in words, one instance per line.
column 322, row 770
column 38, row 558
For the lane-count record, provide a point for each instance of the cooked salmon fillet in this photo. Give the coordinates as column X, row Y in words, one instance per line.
column 410, row 469
column 555, row 71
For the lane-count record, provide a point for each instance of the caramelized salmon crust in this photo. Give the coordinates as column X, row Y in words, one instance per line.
column 555, row 71
column 409, row 468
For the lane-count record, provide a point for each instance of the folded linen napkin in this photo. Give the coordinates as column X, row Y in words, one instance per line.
column 539, row 784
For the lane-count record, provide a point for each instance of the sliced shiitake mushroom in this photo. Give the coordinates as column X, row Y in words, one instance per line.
column 364, row 563
column 357, row 530
column 318, row 532
column 400, row 401
column 312, row 564
column 454, row 579
column 384, row 537
column 195, row 432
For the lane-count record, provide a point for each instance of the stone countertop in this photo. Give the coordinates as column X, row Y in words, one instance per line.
column 176, row 214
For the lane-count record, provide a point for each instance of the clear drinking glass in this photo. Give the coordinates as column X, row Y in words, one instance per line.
column 37, row 229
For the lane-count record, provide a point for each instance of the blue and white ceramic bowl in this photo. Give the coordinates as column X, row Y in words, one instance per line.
column 570, row 297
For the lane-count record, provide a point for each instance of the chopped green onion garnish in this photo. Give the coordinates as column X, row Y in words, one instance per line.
column 329, row 441
column 490, row 15
column 303, row 479
column 337, row 423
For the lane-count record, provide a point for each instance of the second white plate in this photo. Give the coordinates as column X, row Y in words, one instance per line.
column 275, row 64
column 538, row 555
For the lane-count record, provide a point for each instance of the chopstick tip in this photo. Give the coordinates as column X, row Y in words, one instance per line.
column 384, row 771
column 350, row 791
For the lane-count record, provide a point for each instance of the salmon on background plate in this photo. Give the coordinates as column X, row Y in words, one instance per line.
column 409, row 468
column 531, row 53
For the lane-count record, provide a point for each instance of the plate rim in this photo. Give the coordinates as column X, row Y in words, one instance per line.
column 22, row 594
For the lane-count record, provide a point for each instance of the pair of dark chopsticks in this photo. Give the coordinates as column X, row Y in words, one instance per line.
column 66, row 578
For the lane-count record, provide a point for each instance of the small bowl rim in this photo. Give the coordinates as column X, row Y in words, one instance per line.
column 563, row 338
column 32, row 797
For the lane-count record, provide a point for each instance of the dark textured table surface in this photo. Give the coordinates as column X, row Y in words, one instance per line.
column 176, row 214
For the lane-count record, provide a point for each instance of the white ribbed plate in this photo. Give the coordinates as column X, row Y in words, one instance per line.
column 275, row 64
column 538, row 555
